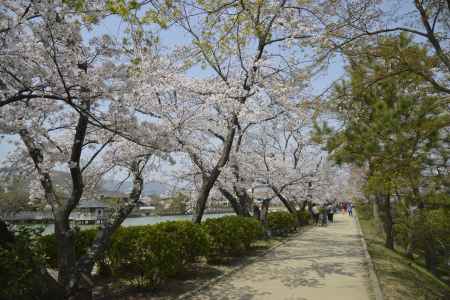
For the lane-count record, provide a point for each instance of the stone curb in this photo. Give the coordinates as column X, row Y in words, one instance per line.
column 246, row 262
column 375, row 283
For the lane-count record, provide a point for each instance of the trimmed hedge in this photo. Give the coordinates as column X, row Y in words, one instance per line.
column 21, row 272
column 282, row 223
column 150, row 254
column 304, row 217
column 232, row 235
column 156, row 252
column 153, row 252
column 83, row 239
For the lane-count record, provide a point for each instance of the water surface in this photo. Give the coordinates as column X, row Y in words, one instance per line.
column 50, row 228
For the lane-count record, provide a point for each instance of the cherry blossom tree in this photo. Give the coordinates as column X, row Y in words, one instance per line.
column 62, row 96
column 256, row 52
column 287, row 160
column 85, row 103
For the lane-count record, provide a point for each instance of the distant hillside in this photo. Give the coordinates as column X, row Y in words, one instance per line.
column 150, row 188
column 108, row 187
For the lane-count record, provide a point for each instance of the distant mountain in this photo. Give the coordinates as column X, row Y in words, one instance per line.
column 63, row 181
column 151, row 188
column 111, row 187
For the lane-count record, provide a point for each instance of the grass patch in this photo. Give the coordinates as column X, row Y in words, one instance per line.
column 400, row 278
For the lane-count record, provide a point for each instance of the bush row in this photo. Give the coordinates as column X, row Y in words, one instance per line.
column 22, row 275
column 156, row 252
column 304, row 217
column 83, row 239
column 282, row 223
column 152, row 253
column 232, row 235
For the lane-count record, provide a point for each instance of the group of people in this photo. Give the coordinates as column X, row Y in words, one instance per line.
column 346, row 207
column 324, row 214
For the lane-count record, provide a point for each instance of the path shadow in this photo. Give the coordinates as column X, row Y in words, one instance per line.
column 309, row 260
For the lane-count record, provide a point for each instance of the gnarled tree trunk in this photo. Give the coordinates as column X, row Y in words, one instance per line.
column 284, row 200
column 71, row 271
column 244, row 200
column 233, row 201
column 376, row 213
column 265, row 212
column 83, row 268
column 209, row 178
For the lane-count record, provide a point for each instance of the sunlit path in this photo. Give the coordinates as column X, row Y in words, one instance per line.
column 322, row 263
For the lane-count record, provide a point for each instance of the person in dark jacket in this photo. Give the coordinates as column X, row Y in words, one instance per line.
column 330, row 212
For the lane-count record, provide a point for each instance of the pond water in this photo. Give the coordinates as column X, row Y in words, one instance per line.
column 50, row 228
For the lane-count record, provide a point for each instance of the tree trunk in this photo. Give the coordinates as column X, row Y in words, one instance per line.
column 63, row 233
column 65, row 246
column 376, row 214
column 208, row 180
column 412, row 218
column 388, row 223
column 264, row 212
column 285, row 201
column 303, row 205
column 409, row 252
column 82, row 289
column 375, row 210
column 241, row 193
column 200, row 204
column 411, row 236
column 244, row 201
column 233, row 201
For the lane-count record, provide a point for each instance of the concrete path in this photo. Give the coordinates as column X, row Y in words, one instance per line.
column 320, row 264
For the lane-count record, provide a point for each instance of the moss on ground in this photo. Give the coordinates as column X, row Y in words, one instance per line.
column 400, row 278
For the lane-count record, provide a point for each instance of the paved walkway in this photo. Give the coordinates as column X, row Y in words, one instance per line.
column 320, row 264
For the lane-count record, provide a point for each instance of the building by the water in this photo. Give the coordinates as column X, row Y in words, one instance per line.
column 90, row 212
column 87, row 212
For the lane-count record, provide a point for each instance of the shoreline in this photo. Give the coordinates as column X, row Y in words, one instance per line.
column 130, row 221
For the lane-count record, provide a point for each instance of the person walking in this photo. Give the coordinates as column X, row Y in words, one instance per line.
column 315, row 213
column 330, row 212
column 323, row 215
column 350, row 209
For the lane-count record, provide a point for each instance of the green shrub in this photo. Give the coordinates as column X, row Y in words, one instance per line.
column 150, row 254
column 281, row 223
column 365, row 209
column 193, row 237
column 432, row 235
column 156, row 252
column 231, row 235
column 22, row 274
column 121, row 252
column 303, row 217
column 83, row 240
